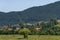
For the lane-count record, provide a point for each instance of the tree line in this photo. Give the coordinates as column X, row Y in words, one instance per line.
column 46, row 28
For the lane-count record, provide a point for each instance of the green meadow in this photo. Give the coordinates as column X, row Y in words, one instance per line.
column 30, row 37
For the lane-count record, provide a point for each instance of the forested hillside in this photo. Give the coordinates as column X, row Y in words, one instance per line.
column 33, row 14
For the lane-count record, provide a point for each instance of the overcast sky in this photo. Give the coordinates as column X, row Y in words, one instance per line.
column 19, row 5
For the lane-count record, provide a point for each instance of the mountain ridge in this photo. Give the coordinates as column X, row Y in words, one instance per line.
column 30, row 15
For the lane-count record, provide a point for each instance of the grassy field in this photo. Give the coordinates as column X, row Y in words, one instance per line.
column 31, row 37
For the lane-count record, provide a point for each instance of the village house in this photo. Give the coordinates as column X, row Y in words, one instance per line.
column 37, row 29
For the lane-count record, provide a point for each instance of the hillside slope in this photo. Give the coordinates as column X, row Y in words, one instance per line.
column 32, row 14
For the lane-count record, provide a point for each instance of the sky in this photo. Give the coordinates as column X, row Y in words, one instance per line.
column 20, row 5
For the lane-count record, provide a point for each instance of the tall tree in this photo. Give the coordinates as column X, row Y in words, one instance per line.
column 52, row 22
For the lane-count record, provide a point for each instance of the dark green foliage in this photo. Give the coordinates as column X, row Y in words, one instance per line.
column 46, row 28
column 43, row 25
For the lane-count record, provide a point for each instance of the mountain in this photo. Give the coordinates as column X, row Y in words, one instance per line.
column 33, row 14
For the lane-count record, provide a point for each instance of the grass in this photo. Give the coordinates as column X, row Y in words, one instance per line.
column 31, row 37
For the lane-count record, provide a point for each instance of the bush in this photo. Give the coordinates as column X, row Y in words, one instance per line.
column 24, row 32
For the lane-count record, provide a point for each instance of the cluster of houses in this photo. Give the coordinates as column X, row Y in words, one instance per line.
column 17, row 28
